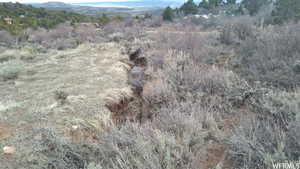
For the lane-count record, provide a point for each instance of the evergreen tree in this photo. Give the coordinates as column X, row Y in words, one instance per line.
column 168, row 14
column 253, row 6
column 104, row 19
column 231, row 2
column 189, row 8
column 204, row 4
column 215, row 3
column 286, row 10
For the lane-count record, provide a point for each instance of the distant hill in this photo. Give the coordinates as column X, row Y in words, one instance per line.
column 56, row 5
column 96, row 9
column 136, row 3
column 15, row 17
column 81, row 9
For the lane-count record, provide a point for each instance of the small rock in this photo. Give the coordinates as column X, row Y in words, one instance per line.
column 9, row 150
column 75, row 127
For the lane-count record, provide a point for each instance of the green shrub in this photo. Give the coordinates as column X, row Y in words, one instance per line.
column 10, row 70
column 168, row 14
column 253, row 6
column 189, row 8
column 286, row 10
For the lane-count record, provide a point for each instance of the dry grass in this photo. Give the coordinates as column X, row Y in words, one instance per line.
column 86, row 74
column 74, row 109
column 270, row 57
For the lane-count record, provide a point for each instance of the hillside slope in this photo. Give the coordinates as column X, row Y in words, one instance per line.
column 60, row 88
column 24, row 16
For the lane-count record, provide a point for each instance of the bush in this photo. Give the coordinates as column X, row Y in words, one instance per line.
column 44, row 148
column 283, row 106
column 153, row 22
column 270, row 56
column 237, row 29
column 184, row 80
column 6, row 39
column 10, row 70
column 253, row 6
column 226, row 35
column 269, row 137
column 147, row 146
column 168, row 14
column 256, row 144
column 63, row 36
column 286, row 10
column 38, row 36
column 189, row 7
column 86, row 33
column 202, row 47
column 61, row 31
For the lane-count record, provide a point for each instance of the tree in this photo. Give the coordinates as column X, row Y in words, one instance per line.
column 286, row 10
column 189, row 8
column 204, row 4
column 104, row 19
column 215, row 3
column 231, row 2
column 253, row 6
column 168, row 14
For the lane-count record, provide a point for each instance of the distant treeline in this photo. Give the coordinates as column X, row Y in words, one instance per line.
column 274, row 11
column 15, row 17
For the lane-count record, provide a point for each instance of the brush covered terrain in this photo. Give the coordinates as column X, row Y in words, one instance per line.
column 195, row 93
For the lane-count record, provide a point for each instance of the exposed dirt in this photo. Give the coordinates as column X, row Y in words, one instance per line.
column 5, row 131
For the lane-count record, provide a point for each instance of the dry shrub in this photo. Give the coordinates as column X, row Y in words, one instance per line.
column 269, row 137
column 271, row 57
column 256, row 144
column 87, row 33
column 62, row 44
column 201, row 46
column 43, row 148
column 185, row 80
column 117, row 31
column 38, row 36
column 65, row 36
column 282, row 106
column 61, row 31
column 237, row 29
column 210, row 23
column 173, row 140
column 10, row 70
column 113, row 27
column 6, row 39
column 156, row 145
column 154, row 22
column 57, row 38
column 226, row 35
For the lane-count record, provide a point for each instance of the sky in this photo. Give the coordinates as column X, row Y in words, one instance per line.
column 66, row 1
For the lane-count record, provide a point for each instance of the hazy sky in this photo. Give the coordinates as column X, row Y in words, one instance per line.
column 67, row 1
